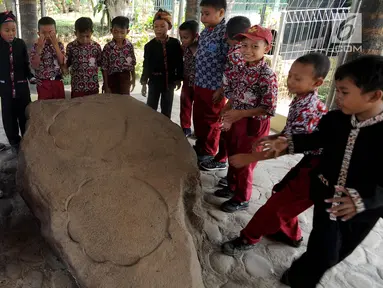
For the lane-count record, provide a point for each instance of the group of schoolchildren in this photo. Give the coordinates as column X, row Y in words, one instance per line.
column 230, row 92
column 50, row 62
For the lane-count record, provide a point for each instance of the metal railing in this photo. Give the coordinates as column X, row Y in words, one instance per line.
column 301, row 32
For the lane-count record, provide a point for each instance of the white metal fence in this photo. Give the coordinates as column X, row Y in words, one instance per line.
column 301, row 32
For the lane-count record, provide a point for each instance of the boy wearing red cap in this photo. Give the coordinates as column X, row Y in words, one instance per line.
column 14, row 75
column 163, row 65
column 246, row 117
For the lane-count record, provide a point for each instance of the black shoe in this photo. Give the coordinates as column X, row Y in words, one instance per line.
column 187, row 132
column 231, row 206
column 224, row 193
column 223, row 182
column 212, row 165
column 201, row 157
column 204, row 158
column 236, row 247
column 283, row 238
column 285, row 278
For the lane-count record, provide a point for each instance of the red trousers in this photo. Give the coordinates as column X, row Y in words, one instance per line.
column 119, row 82
column 206, row 121
column 222, row 148
column 50, row 89
column 187, row 95
column 281, row 210
column 240, row 139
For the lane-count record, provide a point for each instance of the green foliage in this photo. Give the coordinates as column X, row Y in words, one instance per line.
column 99, row 7
column 143, row 15
column 141, row 41
column 65, row 30
column 323, row 92
column 67, row 79
column 139, row 69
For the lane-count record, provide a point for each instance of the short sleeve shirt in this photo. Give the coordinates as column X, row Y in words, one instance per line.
column 189, row 66
column 211, row 57
column 234, row 62
column 84, row 61
column 49, row 68
column 253, row 86
column 118, row 59
column 304, row 115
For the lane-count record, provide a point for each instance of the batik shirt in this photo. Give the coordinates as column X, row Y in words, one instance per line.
column 189, row 66
column 84, row 61
column 49, row 68
column 234, row 62
column 211, row 57
column 351, row 158
column 254, row 86
column 304, row 115
column 116, row 59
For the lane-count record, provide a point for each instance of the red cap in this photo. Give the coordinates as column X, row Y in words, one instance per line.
column 256, row 33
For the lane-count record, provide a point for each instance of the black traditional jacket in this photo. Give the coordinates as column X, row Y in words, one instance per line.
column 352, row 158
column 14, row 69
column 163, row 63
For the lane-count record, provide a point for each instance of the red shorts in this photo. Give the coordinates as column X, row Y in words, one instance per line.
column 50, row 89
column 119, row 83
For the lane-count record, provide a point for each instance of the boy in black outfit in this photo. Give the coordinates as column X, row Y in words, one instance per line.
column 163, row 65
column 347, row 186
column 14, row 75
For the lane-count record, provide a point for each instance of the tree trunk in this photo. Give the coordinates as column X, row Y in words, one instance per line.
column 76, row 6
column 118, row 8
column 42, row 8
column 372, row 29
column 191, row 10
column 9, row 5
column 28, row 20
column 64, row 8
